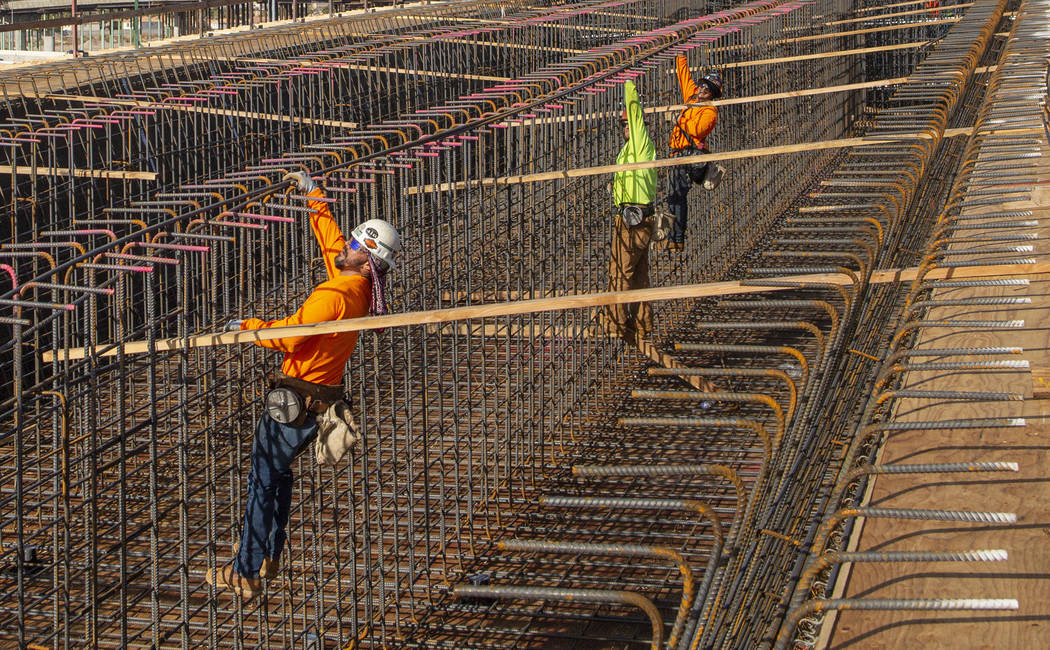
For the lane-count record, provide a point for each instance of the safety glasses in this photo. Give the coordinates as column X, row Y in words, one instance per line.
column 356, row 245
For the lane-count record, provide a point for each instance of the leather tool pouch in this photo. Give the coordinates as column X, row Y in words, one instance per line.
column 698, row 172
column 713, row 176
column 662, row 225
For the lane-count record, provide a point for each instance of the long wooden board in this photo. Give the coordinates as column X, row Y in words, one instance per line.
column 364, row 67
column 27, row 170
column 824, row 55
column 546, row 23
column 558, row 303
column 927, row 10
column 420, row 73
column 672, row 108
column 191, row 109
column 579, row 172
column 889, row 6
column 868, row 30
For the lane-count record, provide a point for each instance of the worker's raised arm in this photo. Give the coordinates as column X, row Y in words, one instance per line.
column 322, row 305
column 640, row 143
column 685, row 79
column 329, row 237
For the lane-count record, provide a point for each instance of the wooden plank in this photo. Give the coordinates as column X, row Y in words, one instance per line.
column 672, row 108
column 261, row 116
column 665, row 162
column 557, row 303
column 828, row 35
column 522, row 330
column 889, row 6
column 1040, row 383
column 878, row 276
column 879, row 83
column 927, row 10
column 421, row 73
column 723, row 155
column 616, row 15
column 511, row 46
column 885, row 276
column 467, row 41
column 548, row 22
column 192, row 109
column 851, row 32
column 292, row 63
column 869, row 30
column 824, row 55
column 586, row 28
column 26, row 170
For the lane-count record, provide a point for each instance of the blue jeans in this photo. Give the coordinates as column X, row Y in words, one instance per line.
column 678, row 201
column 270, row 490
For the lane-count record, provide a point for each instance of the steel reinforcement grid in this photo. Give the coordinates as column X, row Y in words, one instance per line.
column 933, row 349
column 525, row 480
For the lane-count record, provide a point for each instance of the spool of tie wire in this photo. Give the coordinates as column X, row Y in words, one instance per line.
column 284, row 405
column 632, row 214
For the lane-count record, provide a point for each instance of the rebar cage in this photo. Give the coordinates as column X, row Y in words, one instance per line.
column 523, row 479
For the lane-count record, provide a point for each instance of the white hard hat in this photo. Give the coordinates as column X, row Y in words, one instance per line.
column 380, row 239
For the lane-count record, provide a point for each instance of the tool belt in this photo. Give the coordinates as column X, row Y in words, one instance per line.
column 697, row 171
column 290, row 399
column 635, row 213
column 688, row 151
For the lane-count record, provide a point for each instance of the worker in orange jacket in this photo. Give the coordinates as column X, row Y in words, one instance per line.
column 689, row 138
column 309, row 384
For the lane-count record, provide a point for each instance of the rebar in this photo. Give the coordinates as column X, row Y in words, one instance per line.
column 506, row 459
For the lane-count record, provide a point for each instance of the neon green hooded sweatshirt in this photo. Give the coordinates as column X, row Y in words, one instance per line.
column 639, row 185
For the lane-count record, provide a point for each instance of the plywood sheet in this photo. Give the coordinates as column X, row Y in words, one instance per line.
column 1026, row 575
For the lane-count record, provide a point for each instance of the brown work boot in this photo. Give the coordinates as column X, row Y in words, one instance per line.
column 227, row 578
column 269, row 570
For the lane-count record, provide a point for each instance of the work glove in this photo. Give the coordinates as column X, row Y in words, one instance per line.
column 233, row 325
column 302, row 180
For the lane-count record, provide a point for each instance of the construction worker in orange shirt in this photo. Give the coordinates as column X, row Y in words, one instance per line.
column 309, row 387
column 688, row 138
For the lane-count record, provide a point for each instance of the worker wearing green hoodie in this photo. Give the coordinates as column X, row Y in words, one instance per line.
column 633, row 193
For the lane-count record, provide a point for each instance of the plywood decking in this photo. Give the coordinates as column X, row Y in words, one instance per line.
column 1026, row 574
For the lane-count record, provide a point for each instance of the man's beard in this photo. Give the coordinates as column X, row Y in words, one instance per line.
column 341, row 260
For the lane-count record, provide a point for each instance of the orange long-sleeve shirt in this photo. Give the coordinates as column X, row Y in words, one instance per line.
column 321, row 359
column 697, row 121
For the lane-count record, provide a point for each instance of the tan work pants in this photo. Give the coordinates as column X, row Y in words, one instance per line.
column 629, row 269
